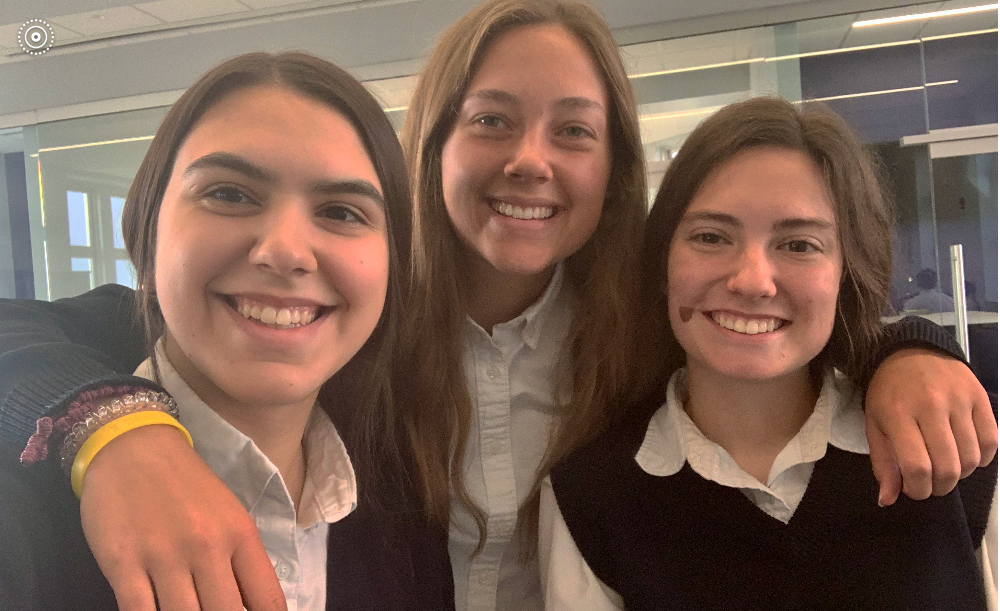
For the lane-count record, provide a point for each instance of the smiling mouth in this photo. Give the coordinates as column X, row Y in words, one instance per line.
column 517, row 212
column 277, row 317
column 748, row 326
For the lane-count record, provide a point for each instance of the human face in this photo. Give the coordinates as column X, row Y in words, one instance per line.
column 754, row 267
column 526, row 165
column 271, row 262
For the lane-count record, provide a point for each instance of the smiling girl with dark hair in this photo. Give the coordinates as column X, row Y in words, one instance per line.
column 269, row 228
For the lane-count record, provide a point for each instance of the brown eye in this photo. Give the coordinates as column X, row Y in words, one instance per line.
column 708, row 238
column 341, row 214
column 800, row 246
column 490, row 121
column 230, row 195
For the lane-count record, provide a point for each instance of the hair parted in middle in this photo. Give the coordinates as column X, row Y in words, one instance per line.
column 604, row 271
column 359, row 397
column 861, row 208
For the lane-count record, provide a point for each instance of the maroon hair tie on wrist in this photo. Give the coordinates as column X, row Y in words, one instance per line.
column 37, row 448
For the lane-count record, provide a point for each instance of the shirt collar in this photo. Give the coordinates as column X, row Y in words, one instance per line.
column 531, row 322
column 673, row 439
column 330, row 489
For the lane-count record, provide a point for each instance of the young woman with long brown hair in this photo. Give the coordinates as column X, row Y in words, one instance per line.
column 269, row 226
column 768, row 263
column 529, row 198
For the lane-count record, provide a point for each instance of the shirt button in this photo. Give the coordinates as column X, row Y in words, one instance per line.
column 282, row 570
column 492, row 372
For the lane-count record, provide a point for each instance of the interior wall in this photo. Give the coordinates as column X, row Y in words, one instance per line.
column 375, row 40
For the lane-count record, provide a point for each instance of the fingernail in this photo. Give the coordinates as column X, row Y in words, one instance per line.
column 880, row 503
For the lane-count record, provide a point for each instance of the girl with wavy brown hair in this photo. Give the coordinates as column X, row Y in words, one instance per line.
column 529, row 197
column 768, row 262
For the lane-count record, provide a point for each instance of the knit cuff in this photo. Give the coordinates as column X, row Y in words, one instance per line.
column 41, row 394
column 914, row 332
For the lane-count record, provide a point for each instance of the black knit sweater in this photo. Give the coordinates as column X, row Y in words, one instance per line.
column 683, row 542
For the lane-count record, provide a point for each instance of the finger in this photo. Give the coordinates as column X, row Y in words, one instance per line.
column 259, row 586
column 133, row 591
column 986, row 429
column 884, row 466
column 907, row 443
column 175, row 591
column 216, row 586
column 946, row 468
column 966, row 441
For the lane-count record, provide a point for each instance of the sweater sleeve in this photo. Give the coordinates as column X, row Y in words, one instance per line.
column 52, row 351
column 912, row 332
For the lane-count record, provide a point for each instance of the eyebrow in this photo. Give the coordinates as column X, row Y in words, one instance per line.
column 235, row 163
column 505, row 97
column 783, row 224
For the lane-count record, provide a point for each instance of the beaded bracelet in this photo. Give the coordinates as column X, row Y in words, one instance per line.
column 128, row 404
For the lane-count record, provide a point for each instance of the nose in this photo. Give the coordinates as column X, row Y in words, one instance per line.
column 283, row 243
column 530, row 160
column 752, row 274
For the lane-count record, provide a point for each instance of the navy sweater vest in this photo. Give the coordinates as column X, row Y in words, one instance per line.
column 683, row 542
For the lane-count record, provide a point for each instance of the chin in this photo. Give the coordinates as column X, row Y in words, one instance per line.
column 523, row 265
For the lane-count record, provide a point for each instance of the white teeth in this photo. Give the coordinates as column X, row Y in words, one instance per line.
column 749, row 327
column 269, row 316
column 283, row 318
column 536, row 212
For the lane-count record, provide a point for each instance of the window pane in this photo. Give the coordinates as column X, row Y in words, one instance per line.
column 79, row 225
column 124, row 273
column 79, row 265
column 117, row 205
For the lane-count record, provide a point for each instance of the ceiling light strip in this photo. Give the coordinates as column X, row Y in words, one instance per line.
column 921, row 16
column 812, row 53
column 693, row 68
column 710, row 109
column 882, row 92
column 86, row 144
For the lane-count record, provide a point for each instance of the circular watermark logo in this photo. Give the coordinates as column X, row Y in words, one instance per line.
column 35, row 37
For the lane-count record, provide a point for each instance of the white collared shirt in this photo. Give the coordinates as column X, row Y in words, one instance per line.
column 673, row 439
column 511, row 377
column 296, row 544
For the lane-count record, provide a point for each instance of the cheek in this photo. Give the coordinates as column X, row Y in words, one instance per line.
column 360, row 272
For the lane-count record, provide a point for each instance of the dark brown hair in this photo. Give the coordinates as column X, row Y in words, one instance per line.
column 861, row 207
column 359, row 396
column 604, row 271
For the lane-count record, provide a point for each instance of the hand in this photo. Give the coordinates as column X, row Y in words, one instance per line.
column 929, row 422
column 168, row 534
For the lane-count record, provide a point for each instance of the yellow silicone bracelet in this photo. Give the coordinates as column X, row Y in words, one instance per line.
column 102, row 436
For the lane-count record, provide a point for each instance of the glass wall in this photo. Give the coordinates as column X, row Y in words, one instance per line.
column 79, row 171
column 919, row 85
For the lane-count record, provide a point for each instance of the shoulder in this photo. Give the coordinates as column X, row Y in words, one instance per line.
column 602, row 463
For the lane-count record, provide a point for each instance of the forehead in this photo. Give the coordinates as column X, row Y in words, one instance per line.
column 766, row 181
column 280, row 129
column 540, row 60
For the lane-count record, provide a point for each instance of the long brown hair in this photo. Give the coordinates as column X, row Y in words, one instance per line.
column 861, row 206
column 604, row 270
column 359, row 396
